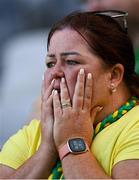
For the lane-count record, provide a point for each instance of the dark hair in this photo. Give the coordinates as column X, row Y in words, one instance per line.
column 106, row 39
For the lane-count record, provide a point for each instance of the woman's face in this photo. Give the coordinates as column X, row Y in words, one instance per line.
column 68, row 52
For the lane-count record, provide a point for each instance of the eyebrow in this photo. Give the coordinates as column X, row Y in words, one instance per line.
column 64, row 54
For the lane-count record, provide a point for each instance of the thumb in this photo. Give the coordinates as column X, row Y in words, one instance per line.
column 95, row 111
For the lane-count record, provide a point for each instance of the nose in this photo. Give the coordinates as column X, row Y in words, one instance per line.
column 57, row 72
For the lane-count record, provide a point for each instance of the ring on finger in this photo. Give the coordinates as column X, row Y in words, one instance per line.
column 66, row 104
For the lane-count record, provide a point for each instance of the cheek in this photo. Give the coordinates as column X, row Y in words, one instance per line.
column 71, row 78
column 100, row 91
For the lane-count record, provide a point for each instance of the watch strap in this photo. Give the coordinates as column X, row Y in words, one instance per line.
column 65, row 150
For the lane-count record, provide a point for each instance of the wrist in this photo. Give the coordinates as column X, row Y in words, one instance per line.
column 48, row 150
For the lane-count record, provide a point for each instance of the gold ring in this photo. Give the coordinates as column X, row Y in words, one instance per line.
column 66, row 104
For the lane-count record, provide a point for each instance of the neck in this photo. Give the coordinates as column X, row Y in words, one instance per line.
column 115, row 101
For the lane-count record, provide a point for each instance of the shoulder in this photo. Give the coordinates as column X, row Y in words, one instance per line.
column 28, row 132
column 134, row 112
column 21, row 145
column 26, row 135
column 131, row 118
column 118, row 141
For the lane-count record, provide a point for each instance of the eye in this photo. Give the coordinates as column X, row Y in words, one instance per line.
column 72, row 62
column 50, row 64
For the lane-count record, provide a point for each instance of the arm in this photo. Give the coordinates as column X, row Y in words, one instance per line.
column 38, row 166
column 82, row 166
column 75, row 121
column 127, row 169
column 41, row 163
column 126, row 161
column 85, row 166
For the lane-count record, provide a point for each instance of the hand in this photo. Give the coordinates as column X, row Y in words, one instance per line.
column 47, row 119
column 74, row 120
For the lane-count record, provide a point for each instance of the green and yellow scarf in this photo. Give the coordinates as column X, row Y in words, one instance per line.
column 57, row 170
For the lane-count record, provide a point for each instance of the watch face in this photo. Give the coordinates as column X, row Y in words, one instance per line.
column 77, row 145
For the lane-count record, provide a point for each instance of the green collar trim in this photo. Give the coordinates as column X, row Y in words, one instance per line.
column 116, row 114
column 57, row 170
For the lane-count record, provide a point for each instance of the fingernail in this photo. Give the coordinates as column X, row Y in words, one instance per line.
column 43, row 77
column 81, row 71
column 89, row 76
column 55, row 92
column 100, row 108
column 63, row 80
column 52, row 82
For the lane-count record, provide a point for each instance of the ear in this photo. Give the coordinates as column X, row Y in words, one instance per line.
column 116, row 76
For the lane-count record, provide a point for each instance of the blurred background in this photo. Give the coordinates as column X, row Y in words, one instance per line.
column 24, row 25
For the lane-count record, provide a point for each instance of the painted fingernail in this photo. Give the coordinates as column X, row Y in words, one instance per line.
column 63, row 80
column 55, row 92
column 100, row 108
column 43, row 77
column 89, row 76
column 81, row 71
column 52, row 82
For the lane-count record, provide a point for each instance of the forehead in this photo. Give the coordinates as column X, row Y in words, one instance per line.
column 67, row 40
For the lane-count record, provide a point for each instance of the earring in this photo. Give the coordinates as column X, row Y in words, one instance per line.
column 113, row 88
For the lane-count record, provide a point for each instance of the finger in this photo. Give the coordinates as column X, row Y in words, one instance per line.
column 65, row 98
column 88, row 92
column 42, row 88
column 79, row 91
column 46, row 108
column 47, row 104
column 94, row 112
column 47, row 92
column 56, row 105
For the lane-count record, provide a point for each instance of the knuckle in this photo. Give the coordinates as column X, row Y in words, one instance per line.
column 88, row 96
column 89, row 85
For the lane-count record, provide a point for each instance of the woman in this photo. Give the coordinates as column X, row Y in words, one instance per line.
column 89, row 104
